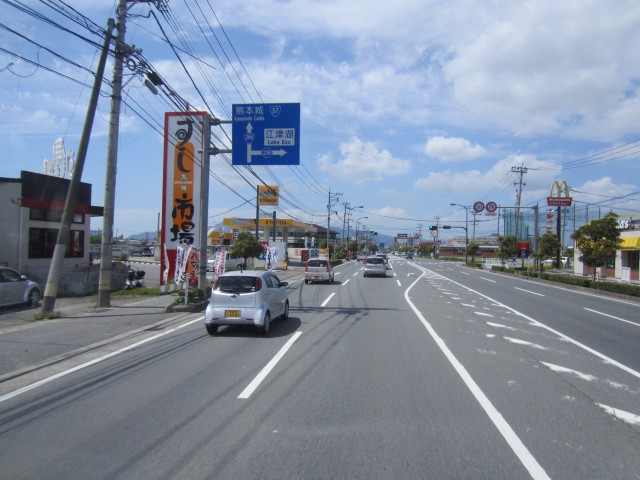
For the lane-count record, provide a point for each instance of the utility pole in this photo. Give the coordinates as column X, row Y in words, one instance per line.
column 521, row 170
column 55, row 272
column 106, row 250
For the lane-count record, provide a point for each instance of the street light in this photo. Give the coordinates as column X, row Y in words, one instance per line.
column 358, row 220
column 347, row 214
column 466, row 229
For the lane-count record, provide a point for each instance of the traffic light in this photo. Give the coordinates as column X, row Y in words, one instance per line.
column 433, row 227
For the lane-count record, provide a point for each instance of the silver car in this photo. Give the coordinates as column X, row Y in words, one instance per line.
column 17, row 289
column 375, row 265
column 318, row 270
column 247, row 297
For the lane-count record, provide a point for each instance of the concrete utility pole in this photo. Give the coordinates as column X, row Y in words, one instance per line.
column 521, row 170
column 55, row 272
column 106, row 250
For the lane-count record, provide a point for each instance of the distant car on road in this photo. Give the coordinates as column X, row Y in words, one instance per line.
column 409, row 256
column 16, row 288
column 318, row 270
column 248, row 297
column 146, row 252
column 375, row 266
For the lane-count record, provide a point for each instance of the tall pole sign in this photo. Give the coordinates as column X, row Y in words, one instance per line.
column 184, row 149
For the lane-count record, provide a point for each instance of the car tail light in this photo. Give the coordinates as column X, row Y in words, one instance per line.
column 258, row 283
column 327, row 267
column 306, row 267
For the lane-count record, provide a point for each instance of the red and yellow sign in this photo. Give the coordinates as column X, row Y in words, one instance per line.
column 562, row 197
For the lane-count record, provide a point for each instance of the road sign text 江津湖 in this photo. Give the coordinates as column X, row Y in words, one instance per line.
column 266, row 134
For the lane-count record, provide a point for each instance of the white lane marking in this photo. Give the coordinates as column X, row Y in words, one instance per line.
column 399, row 284
column 542, row 325
column 621, row 414
column 611, row 316
column 528, row 460
column 575, row 373
column 255, row 383
column 465, row 273
column 487, row 280
column 50, row 379
column 517, row 341
column 345, row 282
column 529, row 291
column 327, row 300
column 483, row 314
column 356, row 274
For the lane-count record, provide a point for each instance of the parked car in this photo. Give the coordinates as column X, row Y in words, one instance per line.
column 409, row 256
column 146, row 252
column 318, row 270
column 229, row 263
column 246, row 297
column 16, row 289
column 375, row 265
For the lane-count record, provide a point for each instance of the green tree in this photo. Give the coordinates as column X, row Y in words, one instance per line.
column 473, row 249
column 548, row 247
column 508, row 247
column 598, row 242
column 246, row 246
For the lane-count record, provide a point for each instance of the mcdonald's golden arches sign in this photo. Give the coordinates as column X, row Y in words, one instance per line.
column 562, row 198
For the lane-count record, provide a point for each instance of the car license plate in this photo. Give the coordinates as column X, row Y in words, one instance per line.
column 316, row 277
column 232, row 313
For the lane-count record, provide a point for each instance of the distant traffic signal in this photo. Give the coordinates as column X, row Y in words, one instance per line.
column 433, row 227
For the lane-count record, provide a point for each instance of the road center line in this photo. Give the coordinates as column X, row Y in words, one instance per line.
column 529, row 291
column 345, row 282
column 327, row 300
column 255, row 383
column 487, row 279
column 611, row 316
column 522, row 452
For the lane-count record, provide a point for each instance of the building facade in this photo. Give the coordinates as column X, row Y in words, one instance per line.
column 33, row 207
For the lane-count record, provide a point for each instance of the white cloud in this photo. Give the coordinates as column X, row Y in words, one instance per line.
column 451, row 149
column 362, row 162
column 546, row 65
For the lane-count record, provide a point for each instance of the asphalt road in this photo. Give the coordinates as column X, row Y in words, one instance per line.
column 436, row 371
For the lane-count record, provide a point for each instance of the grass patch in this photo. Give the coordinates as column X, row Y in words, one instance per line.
column 138, row 292
column 36, row 317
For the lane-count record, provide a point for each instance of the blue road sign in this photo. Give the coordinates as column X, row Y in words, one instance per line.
column 266, row 134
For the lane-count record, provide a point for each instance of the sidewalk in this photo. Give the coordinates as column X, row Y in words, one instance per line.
column 27, row 344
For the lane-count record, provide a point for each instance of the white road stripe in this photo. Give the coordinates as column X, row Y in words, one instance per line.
column 529, row 291
column 345, row 282
column 611, row 316
column 399, row 284
column 50, row 379
column 522, row 452
column 327, row 300
column 255, row 383
column 487, row 279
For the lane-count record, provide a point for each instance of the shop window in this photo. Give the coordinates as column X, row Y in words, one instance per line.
column 42, row 242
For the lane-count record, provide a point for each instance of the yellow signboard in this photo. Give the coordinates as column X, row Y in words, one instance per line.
column 268, row 195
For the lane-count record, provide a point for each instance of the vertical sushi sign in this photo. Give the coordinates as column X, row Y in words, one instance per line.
column 182, row 181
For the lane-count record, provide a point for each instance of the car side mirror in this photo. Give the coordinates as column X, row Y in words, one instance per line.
column 284, row 284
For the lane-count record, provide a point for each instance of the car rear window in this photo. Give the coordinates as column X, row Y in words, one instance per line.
column 317, row 263
column 375, row 260
column 237, row 284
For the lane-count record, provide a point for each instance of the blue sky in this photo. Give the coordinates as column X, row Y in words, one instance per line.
column 406, row 106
